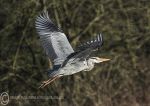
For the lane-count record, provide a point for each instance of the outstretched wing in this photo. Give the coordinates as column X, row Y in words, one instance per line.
column 85, row 49
column 54, row 41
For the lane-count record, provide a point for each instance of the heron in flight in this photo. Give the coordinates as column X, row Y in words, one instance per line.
column 65, row 60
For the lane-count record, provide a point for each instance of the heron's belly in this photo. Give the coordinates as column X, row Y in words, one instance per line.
column 74, row 68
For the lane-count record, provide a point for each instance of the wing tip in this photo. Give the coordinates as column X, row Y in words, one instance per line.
column 44, row 23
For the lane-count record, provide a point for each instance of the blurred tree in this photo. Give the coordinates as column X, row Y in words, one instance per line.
column 125, row 26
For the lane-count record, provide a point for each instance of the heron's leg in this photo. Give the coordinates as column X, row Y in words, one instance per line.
column 47, row 80
column 45, row 83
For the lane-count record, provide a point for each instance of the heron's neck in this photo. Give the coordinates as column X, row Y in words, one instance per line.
column 90, row 64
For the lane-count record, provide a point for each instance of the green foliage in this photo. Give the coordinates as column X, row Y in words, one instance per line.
column 125, row 25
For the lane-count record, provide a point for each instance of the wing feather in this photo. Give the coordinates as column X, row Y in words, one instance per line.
column 54, row 41
column 85, row 49
column 94, row 43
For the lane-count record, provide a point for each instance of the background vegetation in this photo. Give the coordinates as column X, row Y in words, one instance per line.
column 125, row 25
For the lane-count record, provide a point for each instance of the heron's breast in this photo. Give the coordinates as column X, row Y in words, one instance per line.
column 74, row 68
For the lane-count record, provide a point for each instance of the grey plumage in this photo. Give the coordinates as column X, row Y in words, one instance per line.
column 54, row 41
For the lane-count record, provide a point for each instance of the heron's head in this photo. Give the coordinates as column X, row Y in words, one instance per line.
column 98, row 60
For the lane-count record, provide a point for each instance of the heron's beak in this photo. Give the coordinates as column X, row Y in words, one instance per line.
column 103, row 59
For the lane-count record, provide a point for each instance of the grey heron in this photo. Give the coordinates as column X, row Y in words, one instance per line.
column 65, row 60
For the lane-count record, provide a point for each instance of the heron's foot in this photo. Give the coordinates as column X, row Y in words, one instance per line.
column 45, row 83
